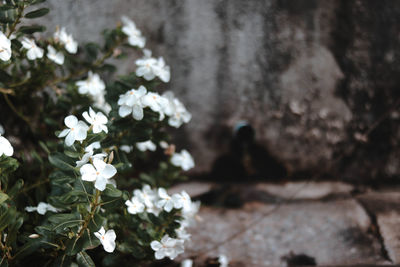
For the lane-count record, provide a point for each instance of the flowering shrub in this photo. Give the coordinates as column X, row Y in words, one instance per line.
column 83, row 179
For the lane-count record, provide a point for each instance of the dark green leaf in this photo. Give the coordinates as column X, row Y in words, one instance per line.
column 84, row 260
column 32, row 29
column 37, row 13
column 3, row 197
column 61, row 161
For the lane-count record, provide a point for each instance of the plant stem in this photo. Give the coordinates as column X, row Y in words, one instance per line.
column 18, row 20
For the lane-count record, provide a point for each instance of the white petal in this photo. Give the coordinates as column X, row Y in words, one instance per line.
column 70, row 139
column 71, row 121
column 64, row 132
column 137, row 112
column 124, row 111
column 100, row 183
column 155, row 245
column 109, row 171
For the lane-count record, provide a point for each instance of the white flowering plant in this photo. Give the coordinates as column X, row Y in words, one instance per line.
column 84, row 154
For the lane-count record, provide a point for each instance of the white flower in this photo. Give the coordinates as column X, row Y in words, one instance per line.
column 34, row 51
column 165, row 201
column 5, row 47
column 183, row 160
column 5, row 147
column 97, row 120
column 135, row 37
column 53, row 55
column 77, row 130
column 162, row 70
column 42, row 208
column 99, row 102
column 156, row 102
column 176, row 111
column 187, row 263
column 92, row 146
column 147, row 145
column 146, row 67
column 134, row 205
column 87, row 156
column 131, row 102
column 146, row 196
column 99, row 172
column 126, row 148
column 167, row 247
column 181, row 233
column 223, row 261
column 93, row 85
column 182, row 200
column 189, row 213
column 149, row 68
column 107, row 239
column 70, row 44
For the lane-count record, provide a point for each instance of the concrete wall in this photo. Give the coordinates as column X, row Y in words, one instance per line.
column 308, row 75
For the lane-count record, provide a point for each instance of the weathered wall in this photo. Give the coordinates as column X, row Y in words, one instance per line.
column 306, row 74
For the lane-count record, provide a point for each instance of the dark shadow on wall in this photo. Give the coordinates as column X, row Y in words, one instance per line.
column 246, row 160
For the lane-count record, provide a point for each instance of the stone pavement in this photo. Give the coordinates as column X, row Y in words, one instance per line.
column 269, row 224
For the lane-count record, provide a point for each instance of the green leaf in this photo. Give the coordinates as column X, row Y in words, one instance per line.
column 61, row 161
column 84, row 260
column 8, row 15
column 3, row 197
column 111, row 191
column 37, row 13
column 62, row 221
column 32, row 29
column 16, row 188
column 34, row 2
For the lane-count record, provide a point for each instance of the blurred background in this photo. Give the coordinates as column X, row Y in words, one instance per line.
column 310, row 77
column 280, row 90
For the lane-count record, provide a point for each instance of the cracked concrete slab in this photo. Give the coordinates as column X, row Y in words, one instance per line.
column 385, row 208
column 332, row 232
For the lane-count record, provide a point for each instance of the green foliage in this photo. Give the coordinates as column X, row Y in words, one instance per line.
column 43, row 175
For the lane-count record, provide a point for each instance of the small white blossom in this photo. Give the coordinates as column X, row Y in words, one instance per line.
column 97, row 120
column 34, row 51
column 167, row 247
column 93, row 85
column 156, row 103
column 162, row 70
column 89, row 155
column 223, row 261
column 99, row 102
column 134, row 205
column 126, row 148
column 135, row 37
column 149, row 67
column 5, row 147
column 165, row 201
column 107, row 239
column 5, row 47
column 182, row 200
column 42, row 208
column 131, row 102
column 146, row 67
column 187, row 263
column 67, row 40
column 147, row 145
column 189, row 214
column 176, row 111
column 93, row 146
column 77, row 130
column 54, row 55
column 182, row 234
column 146, row 195
column 99, row 173
column 33, row 236
column 183, row 160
